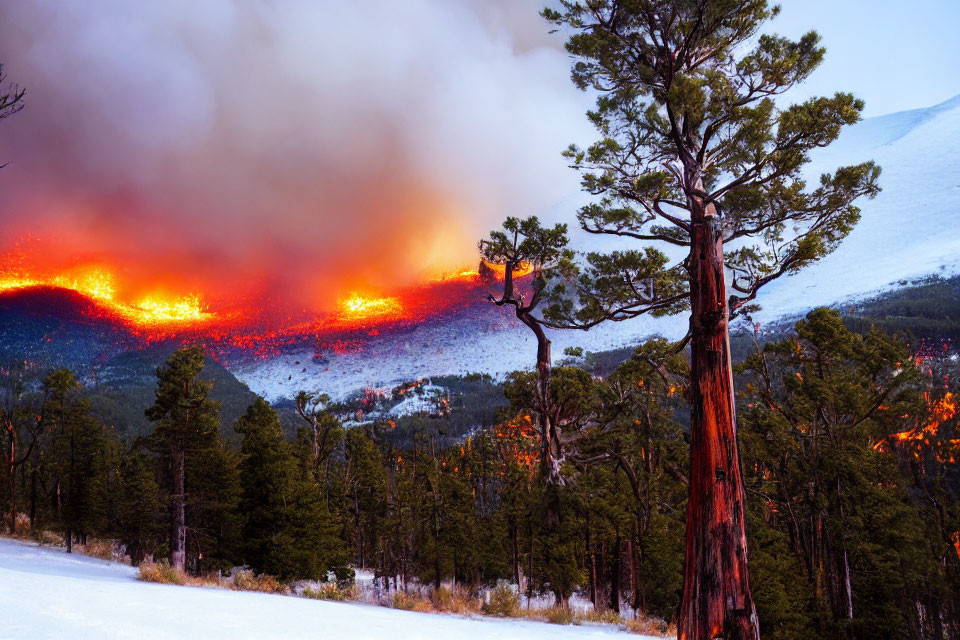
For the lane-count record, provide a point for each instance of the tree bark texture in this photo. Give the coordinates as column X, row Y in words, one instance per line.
column 717, row 603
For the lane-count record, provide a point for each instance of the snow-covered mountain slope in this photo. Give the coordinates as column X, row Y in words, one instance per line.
column 47, row 593
column 480, row 339
column 911, row 229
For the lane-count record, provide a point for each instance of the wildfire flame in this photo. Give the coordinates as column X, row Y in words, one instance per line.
column 98, row 284
column 520, row 440
column 255, row 323
column 500, row 270
column 496, row 270
column 358, row 307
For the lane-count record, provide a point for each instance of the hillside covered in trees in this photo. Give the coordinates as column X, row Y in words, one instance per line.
column 849, row 456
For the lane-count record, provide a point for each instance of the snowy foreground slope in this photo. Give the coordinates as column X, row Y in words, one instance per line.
column 46, row 593
column 912, row 229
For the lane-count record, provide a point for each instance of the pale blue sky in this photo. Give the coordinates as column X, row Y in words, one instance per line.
column 894, row 54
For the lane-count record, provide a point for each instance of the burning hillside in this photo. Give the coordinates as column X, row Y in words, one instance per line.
column 151, row 312
column 256, row 325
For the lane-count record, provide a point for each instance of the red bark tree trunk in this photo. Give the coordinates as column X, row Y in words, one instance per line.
column 717, row 603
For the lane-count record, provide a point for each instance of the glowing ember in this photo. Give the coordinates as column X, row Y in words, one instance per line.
column 358, row 307
column 519, row 440
column 189, row 309
column 941, row 410
column 499, row 270
column 464, row 275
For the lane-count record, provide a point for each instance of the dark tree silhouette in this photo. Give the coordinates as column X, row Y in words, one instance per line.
column 11, row 99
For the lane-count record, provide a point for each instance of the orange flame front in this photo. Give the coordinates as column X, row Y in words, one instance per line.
column 253, row 322
column 358, row 307
column 98, row 285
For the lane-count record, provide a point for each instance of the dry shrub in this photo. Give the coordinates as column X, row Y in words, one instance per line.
column 503, row 603
column 412, row 602
column 213, row 580
column 330, row 592
column 556, row 615
column 606, row 616
column 163, row 573
column 402, row 601
column 102, row 549
column 246, row 580
column 23, row 523
column 160, row 572
column 423, row 605
column 651, row 627
column 459, row 601
column 51, row 538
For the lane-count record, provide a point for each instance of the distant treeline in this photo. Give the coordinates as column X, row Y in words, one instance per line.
column 926, row 310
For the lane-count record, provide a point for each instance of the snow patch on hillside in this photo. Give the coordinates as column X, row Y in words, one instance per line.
column 424, row 401
column 484, row 339
column 911, row 229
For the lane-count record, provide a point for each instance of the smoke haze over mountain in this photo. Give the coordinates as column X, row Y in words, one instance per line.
column 298, row 148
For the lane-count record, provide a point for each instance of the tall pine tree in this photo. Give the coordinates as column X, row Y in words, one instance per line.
column 138, row 507
column 696, row 154
column 187, row 422
column 287, row 530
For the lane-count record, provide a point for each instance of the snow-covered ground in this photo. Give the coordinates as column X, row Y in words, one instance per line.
column 911, row 229
column 46, row 593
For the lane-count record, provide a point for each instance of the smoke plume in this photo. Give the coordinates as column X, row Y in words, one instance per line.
column 301, row 149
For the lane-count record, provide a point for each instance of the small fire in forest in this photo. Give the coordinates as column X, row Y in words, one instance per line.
column 520, row 439
column 499, row 271
column 940, row 410
column 463, row 275
column 487, row 270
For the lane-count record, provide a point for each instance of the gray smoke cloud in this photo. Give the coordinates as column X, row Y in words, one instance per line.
column 302, row 148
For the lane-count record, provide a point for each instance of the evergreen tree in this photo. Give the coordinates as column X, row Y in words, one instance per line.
column 19, row 422
column 365, row 497
column 213, row 508
column 526, row 245
column 637, row 435
column 818, row 403
column 325, row 430
column 187, row 424
column 695, row 154
column 80, row 447
column 265, row 476
column 287, row 530
column 138, row 509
